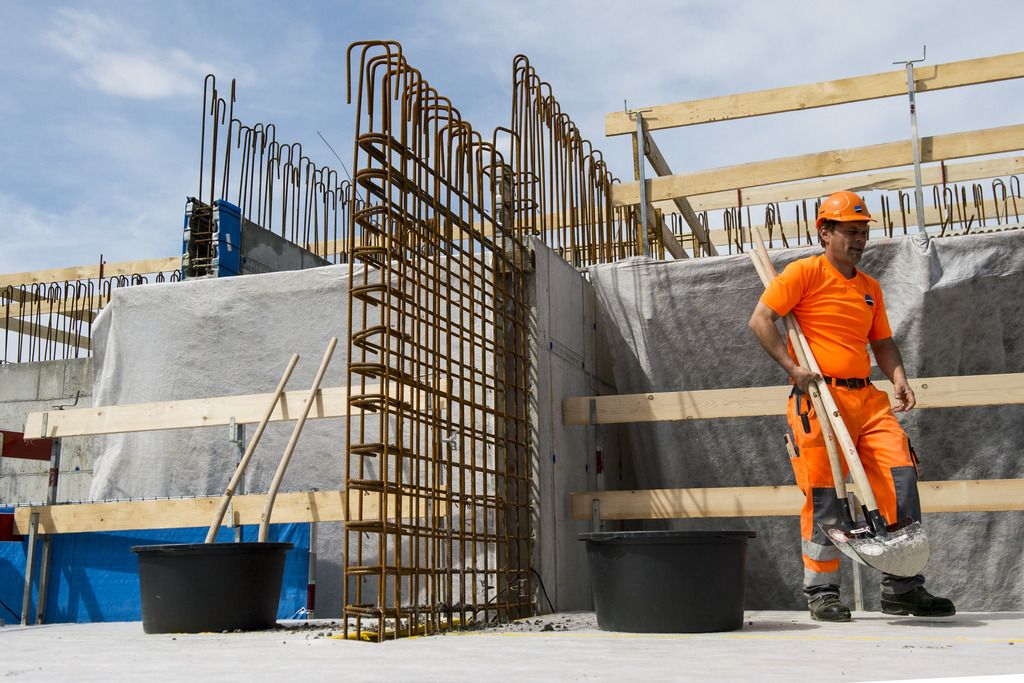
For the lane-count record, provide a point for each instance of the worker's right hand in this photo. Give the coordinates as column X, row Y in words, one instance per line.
column 803, row 378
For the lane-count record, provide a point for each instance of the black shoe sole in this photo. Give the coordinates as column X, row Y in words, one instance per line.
column 896, row 610
column 837, row 620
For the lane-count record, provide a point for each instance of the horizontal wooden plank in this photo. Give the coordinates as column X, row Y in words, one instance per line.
column 289, row 508
column 900, row 179
column 989, row 495
column 45, row 332
column 927, row 78
column 931, row 392
column 932, row 218
column 818, row 164
column 198, row 412
column 79, row 308
column 142, row 267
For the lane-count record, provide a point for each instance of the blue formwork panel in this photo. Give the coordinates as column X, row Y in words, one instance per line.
column 94, row 576
column 228, row 221
column 227, row 234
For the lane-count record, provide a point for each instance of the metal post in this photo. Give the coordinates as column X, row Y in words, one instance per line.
column 645, row 245
column 30, row 556
column 915, row 141
column 44, row 560
column 858, row 582
column 236, row 436
column 311, row 580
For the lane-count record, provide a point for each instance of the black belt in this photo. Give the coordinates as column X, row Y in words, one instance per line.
column 854, row 383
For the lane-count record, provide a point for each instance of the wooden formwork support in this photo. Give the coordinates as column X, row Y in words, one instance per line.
column 899, row 179
column 932, row 217
column 986, row 495
column 931, row 392
column 681, row 204
column 197, row 412
column 143, row 267
column 927, row 78
column 44, row 332
column 289, row 508
column 830, row 163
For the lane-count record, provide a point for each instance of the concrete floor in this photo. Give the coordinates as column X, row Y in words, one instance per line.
column 773, row 646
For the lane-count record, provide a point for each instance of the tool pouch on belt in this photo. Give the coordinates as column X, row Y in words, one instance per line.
column 796, row 462
column 804, row 415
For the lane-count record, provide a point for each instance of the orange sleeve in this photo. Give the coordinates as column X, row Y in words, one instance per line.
column 880, row 323
column 786, row 290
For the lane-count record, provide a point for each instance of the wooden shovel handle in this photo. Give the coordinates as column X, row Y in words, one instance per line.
column 830, row 409
column 766, row 271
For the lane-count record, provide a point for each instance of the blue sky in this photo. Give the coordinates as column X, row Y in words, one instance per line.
column 100, row 101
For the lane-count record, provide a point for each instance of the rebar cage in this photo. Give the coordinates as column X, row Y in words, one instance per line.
column 437, row 469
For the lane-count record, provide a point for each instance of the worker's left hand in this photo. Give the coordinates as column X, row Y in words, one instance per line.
column 905, row 399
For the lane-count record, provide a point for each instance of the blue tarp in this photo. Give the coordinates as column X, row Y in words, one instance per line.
column 94, row 576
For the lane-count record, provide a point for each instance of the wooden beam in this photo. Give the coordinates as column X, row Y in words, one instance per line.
column 662, row 168
column 927, row 78
column 932, row 217
column 198, row 412
column 44, row 333
column 989, row 495
column 834, row 162
column 932, row 392
column 294, row 507
column 654, row 222
column 80, row 308
column 880, row 180
column 158, row 265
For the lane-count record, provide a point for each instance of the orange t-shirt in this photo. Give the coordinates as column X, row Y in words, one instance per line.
column 838, row 316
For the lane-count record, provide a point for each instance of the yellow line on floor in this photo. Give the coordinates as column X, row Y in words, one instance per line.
column 735, row 636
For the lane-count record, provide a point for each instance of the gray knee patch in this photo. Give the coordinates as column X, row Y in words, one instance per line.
column 908, row 500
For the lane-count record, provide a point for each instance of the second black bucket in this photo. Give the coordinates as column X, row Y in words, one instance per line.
column 210, row 587
column 668, row 581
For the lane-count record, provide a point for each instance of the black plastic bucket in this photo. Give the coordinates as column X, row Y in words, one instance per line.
column 668, row 581
column 204, row 587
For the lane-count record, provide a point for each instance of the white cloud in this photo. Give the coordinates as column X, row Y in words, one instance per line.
column 114, row 59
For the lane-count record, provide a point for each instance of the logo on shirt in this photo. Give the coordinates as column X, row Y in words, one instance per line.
column 869, row 300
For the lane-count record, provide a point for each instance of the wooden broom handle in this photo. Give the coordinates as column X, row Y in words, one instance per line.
column 250, row 449
column 283, row 465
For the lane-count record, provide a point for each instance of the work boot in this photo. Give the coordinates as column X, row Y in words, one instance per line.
column 917, row 602
column 828, row 608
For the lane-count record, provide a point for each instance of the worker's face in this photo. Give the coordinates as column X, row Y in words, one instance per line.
column 846, row 242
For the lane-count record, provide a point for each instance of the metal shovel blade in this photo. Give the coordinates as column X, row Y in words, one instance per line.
column 901, row 551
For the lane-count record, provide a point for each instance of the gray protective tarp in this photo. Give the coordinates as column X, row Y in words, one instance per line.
column 231, row 336
column 217, row 337
column 956, row 307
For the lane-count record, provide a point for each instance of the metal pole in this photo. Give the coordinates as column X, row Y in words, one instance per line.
column 30, row 556
column 311, row 575
column 44, row 560
column 915, row 141
column 642, row 143
column 236, row 437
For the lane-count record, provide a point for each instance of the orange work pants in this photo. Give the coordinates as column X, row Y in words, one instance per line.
column 888, row 461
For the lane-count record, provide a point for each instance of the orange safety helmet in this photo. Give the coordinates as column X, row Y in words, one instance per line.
column 843, row 207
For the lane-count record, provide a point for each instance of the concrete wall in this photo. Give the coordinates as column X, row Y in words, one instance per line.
column 266, row 252
column 567, row 356
column 33, row 387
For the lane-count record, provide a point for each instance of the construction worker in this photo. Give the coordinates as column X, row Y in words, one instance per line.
column 841, row 311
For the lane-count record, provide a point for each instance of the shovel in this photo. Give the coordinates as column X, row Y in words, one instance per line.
column 899, row 549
